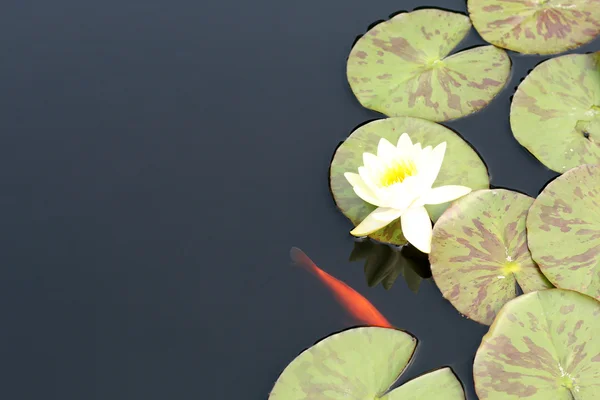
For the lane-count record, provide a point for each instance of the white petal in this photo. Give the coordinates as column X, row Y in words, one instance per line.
column 437, row 155
column 386, row 150
column 353, row 179
column 368, row 178
column 444, row 194
column 385, row 195
column 404, row 143
column 361, row 189
column 371, row 162
column 368, row 196
column 424, row 156
column 386, row 214
column 375, row 221
column 416, row 152
column 432, row 165
column 416, row 227
column 401, row 195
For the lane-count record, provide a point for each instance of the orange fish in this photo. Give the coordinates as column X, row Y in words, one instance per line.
column 359, row 307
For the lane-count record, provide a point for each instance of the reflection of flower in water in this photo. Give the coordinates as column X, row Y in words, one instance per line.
column 384, row 264
column 398, row 180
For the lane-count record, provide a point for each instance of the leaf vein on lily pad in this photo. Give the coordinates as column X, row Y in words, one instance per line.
column 479, row 253
column 542, row 345
column 401, row 67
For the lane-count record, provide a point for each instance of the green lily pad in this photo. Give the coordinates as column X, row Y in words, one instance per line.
column 461, row 166
column 362, row 363
column 555, row 112
column 479, row 253
column 441, row 384
column 564, row 230
column 542, row 346
column 536, row 26
column 401, row 68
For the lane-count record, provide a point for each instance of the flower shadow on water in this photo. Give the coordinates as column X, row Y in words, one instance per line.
column 385, row 264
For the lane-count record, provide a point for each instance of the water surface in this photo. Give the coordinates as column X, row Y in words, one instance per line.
column 158, row 161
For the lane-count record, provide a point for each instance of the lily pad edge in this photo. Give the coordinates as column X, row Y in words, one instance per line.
column 457, row 50
column 500, row 313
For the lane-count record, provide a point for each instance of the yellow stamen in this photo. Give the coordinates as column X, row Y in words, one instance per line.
column 511, row 267
column 397, row 172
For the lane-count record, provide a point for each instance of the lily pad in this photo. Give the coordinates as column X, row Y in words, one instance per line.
column 564, row 230
column 401, row 68
column 362, row 363
column 479, row 253
column 441, row 384
column 542, row 346
column 555, row 112
column 536, row 26
column 461, row 166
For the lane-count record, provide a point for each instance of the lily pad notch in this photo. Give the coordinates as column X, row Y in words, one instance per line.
column 402, row 67
column 362, row 363
column 479, row 254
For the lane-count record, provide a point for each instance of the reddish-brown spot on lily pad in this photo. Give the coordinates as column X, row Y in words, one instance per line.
column 564, row 230
column 401, row 67
column 461, row 166
column 542, row 346
column 479, row 253
column 536, row 26
column 362, row 363
column 555, row 112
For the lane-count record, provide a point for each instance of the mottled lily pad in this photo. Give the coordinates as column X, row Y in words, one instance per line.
column 536, row 26
column 462, row 166
column 400, row 67
column 564, row 230
column 542, row 346
column 479, row 253
column 362, row 363
column 555, row 112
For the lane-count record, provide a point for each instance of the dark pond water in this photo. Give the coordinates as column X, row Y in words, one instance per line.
column 158, row 161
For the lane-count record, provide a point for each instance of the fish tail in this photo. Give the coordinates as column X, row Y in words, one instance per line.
column 300, row 259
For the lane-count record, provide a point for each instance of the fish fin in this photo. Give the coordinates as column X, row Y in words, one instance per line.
column 300, row 259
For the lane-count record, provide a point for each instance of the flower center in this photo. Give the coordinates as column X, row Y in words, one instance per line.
column 567, row 381
column 511, row 267
column 397, row 172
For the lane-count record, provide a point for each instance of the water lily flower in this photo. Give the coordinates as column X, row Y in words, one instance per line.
column 398, row 180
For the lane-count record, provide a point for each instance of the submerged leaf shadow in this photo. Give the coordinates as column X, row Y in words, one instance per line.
column 384, row 264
